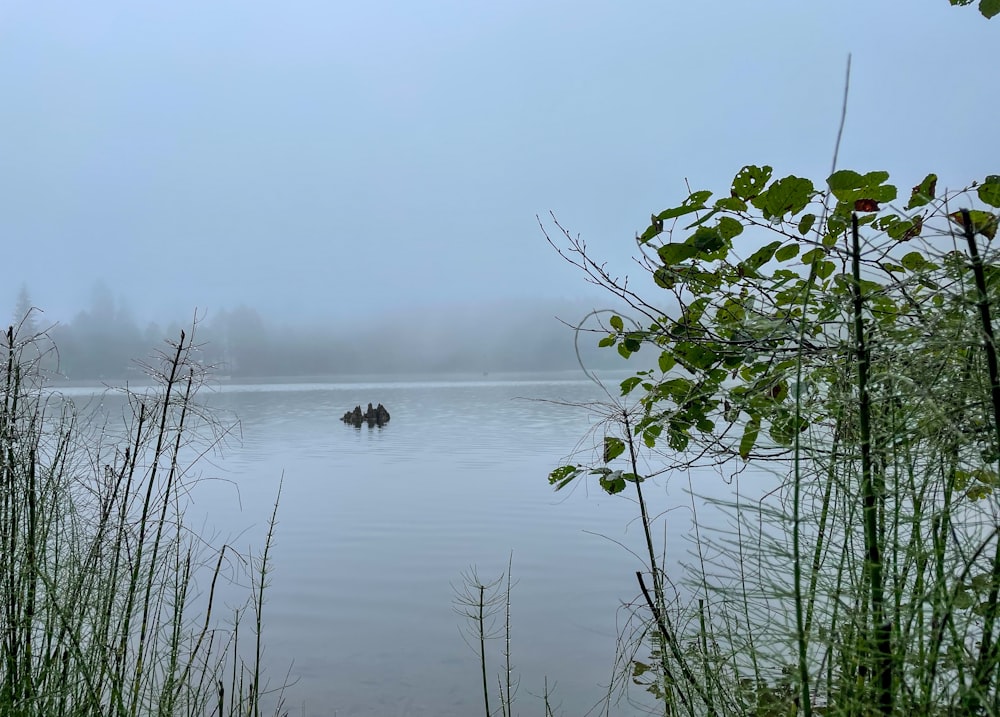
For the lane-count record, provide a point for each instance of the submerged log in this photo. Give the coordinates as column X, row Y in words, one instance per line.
column 373, row 416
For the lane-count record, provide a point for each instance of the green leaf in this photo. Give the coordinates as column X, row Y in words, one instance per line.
column 732, row 204
column 843, row 180
column 607, row 341
column 695, row 356
column 849, row 186
column 698, row 198
column 623, row 351
column 729, row 227
column 788, row 195
column 671, row 254
column 630, row 383
column 923, row 193
column 666, row 361
column 562, row 476
column 872, row 179
column 694, row 203
column 906, row 229
column 825, row 268
column 963, row 600
column 989, row 9
column 884, row 193
column 680, row 211
column 982, row 582
column 784, row 427
column 616, row 323
column 731, row 312
column 982, row 222
column 664, row 278
column 989, row 191
column 633, row 342
column 706, row 240
column 749, row 437
column 813, row 255
column 787, row 252
column 612, row 483
column 653, row 230
column 701, row 220
column 915, row 261
column 750, row 181
column 805, row 223
column 762, row 256
column 613, row 447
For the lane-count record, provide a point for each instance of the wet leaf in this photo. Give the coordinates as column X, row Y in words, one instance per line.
column 989, row 191
column 671, row 254
column 906, row 230
column 849, row 186
column 788, row 195
column 844, row 180
column 675, row 212
column 750, row 433
column 706, row 240
column 732, row 204
column 762, row 256
column 612, row 483
column 923, row 193
column 629, row 384
column 664, row 278
column 613, row 447
column 982, row 222
column 729, row 228
column 562, row 476
column 989, row 9
column 750, row 182
column 787, row 252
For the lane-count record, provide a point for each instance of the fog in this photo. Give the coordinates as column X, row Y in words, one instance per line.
column 375, row 170
column 105, row 341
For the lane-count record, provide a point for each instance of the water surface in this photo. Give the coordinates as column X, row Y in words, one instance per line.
column 376, row 526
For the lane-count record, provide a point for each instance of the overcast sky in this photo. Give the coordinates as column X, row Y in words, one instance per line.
column 313, row 158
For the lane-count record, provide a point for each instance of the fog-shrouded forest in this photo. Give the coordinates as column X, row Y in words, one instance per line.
column 105, row 340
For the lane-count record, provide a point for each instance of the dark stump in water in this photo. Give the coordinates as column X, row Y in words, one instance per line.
column 373, row 416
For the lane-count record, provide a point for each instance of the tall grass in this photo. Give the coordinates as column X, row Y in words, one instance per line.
column 864, row 577
column 109, row 601
column 866, row 582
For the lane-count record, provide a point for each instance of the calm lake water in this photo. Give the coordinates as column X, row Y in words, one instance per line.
column 376, row 526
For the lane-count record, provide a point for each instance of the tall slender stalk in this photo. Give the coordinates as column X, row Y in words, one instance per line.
column 987, row 660
column 879, row 654
column 96, row 565
column 658, row 608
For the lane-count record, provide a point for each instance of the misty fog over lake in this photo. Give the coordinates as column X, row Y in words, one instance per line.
column 343, row 203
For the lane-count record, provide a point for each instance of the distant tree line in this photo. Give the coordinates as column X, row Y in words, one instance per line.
column 105, row 341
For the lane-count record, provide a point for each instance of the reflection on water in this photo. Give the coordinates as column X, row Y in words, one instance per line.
column 376, row 524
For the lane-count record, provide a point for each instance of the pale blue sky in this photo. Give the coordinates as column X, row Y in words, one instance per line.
column 292, row 155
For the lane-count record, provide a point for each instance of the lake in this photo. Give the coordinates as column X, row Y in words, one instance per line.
column 377, row 525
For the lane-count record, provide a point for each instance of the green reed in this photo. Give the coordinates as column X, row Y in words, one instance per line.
column 102, row 583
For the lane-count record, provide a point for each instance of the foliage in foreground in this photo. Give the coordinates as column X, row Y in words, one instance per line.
column 841, row 341
column 987, row 8
column 108, row 602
